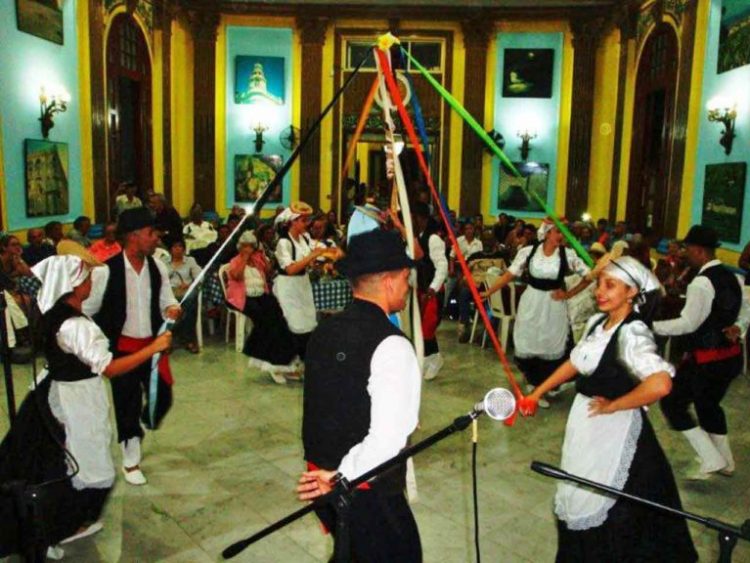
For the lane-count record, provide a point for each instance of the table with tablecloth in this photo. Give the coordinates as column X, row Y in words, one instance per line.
column 331, row 294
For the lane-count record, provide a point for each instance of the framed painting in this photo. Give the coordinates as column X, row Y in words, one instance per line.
column 43, row 18
column 734, row 35
column 513, row 193
column 723, row 195
column 259, row 79
column 528, row 73
column 46, row 178
column 252, row 173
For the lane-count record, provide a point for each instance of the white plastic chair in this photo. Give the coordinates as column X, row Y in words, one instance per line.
column 505, row 313
column 241, row 322
column 743, row 341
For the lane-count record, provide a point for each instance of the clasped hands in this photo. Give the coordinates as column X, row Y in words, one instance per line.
column 527, row 406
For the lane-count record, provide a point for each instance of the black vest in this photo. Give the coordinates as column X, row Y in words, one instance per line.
column 610, row 379
column 336, row 406
column 62, row 366
column 425, row 266
column 724, row 309
column 111, row 317
column 546, row 284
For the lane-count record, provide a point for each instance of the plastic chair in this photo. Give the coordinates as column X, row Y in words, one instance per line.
column 503, row 308
column 241, row 322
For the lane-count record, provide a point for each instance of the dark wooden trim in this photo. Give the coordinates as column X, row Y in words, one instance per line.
column 204, row 26
column 102, row 207
column 586, row 35
column 165, row 21
column 679, row 128
column 312, row 33
column 477, row 37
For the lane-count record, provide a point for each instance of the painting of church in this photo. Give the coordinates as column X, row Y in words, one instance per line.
column 46, row 178
column 259, row 79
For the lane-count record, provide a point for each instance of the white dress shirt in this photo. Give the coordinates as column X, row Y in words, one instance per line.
column 138, row 287
column 698, row 301
column 437, row 255
column 394, row 388
column 467, row 248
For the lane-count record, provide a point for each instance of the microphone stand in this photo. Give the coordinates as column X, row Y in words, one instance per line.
column 341, row 495
column 5, row 353
column 728, row 534
column 31, row 530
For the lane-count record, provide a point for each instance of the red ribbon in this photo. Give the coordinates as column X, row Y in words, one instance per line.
column 130, row 345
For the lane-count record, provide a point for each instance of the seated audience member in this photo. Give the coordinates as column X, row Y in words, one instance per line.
column 183, row 270
column 37, row 249
column 744, row 262
column 270, row 345
column 126, row 198
column 13, row 268
column 333, row 229
column 512, row 239
column 80, row 231
column 587, row 236
column 107, row 247
column 602, row 232
column 229, row 252
column 502, row 228
column 53, row 233
column 319, row 235
column 166, row 219
column 198, row 233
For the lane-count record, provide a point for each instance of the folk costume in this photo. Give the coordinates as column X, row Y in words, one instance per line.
column 714, row 302
column 71, row 407
column 542, row 330
column 361, row 402
column 618, row 449
column 129, row 306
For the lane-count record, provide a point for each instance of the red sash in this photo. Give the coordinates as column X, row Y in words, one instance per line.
column 707, row 355
column 129, row 345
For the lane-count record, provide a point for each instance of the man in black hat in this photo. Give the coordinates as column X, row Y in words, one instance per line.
column 130, row 299
column 361, row 401
column 714, row 311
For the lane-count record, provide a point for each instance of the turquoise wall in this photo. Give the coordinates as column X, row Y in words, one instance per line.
column 540, row 114
column 27, row 62
column 242, row 118
column 733, row 84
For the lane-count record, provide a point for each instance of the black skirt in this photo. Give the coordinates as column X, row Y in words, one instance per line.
column 634, row 532
column 270, row 342
column 30, row 452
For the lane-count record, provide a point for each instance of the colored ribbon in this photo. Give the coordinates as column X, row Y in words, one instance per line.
column 479, row 130
column 358, row 131
column 406, row 120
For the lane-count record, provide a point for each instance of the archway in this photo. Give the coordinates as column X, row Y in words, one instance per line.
column 128, row 107
column 653, row 123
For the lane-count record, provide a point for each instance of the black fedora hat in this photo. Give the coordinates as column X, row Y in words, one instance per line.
column 133, row 220
column 701, row 235
column 372, row 252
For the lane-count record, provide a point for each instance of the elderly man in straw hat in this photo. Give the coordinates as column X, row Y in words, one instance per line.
column 130, row 299
column 361, row 401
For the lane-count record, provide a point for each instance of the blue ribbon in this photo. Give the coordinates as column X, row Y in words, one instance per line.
column 153, row 386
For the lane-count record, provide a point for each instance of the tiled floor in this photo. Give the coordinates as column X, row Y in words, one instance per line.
column 225, row 463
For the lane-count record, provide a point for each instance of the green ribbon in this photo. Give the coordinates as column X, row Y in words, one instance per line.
column 479, row 130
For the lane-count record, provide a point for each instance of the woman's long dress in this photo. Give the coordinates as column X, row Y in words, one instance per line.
column 619, row 450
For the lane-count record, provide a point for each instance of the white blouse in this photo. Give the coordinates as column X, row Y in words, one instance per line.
column 546, row 267
column 83, row 338
column 302, row 248
column 636, row 349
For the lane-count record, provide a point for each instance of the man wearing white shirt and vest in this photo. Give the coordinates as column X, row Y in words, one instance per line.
column 432, row 271
column 714, row 311
column 130, row 299
column 361, row 402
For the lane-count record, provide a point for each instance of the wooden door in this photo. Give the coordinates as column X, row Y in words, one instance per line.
column 129, row 134
column 653, row 121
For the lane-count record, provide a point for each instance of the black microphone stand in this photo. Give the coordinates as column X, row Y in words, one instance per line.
column 728, row 534
column 5, row 352
column 341, row 496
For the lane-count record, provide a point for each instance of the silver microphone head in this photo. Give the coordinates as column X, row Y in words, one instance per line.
column 498, row 404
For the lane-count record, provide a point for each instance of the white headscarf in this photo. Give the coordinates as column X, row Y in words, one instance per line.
column 286, row 216
column 59, row 276
column 634, row 274
column 544, row 229
column 247, row 238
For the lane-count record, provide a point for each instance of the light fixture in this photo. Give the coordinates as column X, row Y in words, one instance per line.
column 525, row 138
column 259, row 142
column 50, row 104
column 586, row 217
column 724, row 112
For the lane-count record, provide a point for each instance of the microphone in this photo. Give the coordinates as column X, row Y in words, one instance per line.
column 549, row 470
column 498, row 404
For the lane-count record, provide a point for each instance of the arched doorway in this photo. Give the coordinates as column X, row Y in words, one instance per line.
column 653, row 122
column 128, row 106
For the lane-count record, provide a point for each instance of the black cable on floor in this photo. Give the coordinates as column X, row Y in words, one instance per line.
column 476, row 498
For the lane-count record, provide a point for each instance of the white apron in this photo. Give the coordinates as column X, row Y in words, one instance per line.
column 295, row 296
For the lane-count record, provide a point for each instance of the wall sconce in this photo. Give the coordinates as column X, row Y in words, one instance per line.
column 724, row 112
column 525, row 138
column 49, row 105
column 259, row 142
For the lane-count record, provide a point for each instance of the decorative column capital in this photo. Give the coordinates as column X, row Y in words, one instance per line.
column 587, row 32
column 626, row 19
column 312, row 30
column 478, row 31
column 204, row 25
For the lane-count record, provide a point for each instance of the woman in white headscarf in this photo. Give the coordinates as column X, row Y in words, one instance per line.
column 292, row 287
column 608, row 437
column 541, row 332
column 69, row 407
